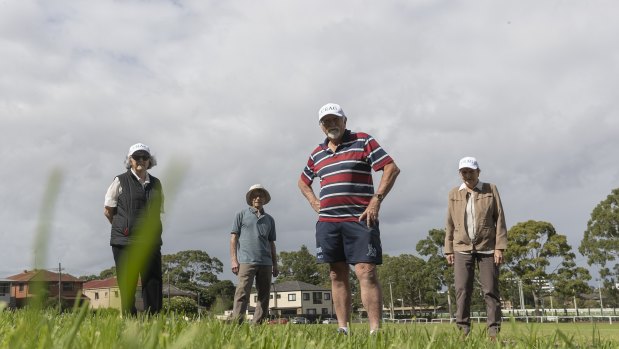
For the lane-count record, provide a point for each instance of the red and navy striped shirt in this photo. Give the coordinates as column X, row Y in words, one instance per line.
column 346, row 186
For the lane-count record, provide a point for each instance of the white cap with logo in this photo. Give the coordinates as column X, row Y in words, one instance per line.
column 138, row 147
column 468, row 162
column 330, row 109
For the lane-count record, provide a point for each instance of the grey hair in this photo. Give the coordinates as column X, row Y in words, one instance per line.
column 151, row 163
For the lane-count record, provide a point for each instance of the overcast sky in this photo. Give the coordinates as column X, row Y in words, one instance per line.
column 228, row 92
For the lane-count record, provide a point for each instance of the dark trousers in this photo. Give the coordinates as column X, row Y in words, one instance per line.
column 464, row 269
column 150, row 275
column 247, row 273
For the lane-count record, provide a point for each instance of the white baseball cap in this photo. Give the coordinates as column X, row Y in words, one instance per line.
column 138, row 147
column 330, row 109
column 468, row 162
column 257, row 187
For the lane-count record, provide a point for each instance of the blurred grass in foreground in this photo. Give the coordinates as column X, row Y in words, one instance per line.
column 85, row 329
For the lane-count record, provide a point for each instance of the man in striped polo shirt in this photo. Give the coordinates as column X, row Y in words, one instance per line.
column 347, row 231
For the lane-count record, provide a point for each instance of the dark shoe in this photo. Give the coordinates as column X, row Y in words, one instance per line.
column 343, row 331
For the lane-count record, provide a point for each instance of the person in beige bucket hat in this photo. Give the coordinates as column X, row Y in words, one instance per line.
column 253, row 254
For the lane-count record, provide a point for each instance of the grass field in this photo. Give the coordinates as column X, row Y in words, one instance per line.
column 84, row 329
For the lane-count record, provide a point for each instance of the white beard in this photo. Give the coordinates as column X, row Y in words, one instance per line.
column 334, row 133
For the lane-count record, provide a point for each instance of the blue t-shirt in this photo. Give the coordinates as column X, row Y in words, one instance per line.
column 255, row 236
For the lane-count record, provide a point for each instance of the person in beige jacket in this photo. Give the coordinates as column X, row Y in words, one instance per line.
column 475, row 234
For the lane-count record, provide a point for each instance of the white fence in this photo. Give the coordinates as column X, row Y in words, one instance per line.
column 606, row 315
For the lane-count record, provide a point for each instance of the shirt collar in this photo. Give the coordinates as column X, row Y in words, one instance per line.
column 479, row 186
column 146, row 179
column 255, row 210
column 345, row 138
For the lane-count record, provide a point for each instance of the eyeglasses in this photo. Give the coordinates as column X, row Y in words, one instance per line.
column 140, row 157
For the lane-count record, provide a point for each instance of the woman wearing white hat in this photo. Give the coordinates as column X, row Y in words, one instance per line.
column 476, row 234
column 133, row 206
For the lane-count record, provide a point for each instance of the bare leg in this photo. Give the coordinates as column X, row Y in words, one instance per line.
column 340, row 288
column 371, row 293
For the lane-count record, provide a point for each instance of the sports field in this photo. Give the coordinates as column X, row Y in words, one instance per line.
column 84, row 329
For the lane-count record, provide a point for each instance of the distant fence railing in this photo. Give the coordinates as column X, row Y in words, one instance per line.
column 606, row 315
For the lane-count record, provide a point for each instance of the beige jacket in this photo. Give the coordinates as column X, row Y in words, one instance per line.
column 489, row 220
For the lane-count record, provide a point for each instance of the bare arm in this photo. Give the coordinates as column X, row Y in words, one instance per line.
column 390, row 173
column 274, row 259
column 234, row 262
column 308, row 192
column 109, row 213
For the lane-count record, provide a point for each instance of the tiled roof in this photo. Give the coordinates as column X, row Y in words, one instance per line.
column 288, row 286
column 112, row 282
column 106, row 283
column 42, row 275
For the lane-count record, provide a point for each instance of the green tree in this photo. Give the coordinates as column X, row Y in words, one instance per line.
column 432, row 247
column 192, row 269
column 570, row 280
column 221, row 292
column 409, row 278
column 88, row 277
column 531, row 246
column 181, row 305
column 302, row 266
column 108, row 273
column 105, row 274
column 600, row 243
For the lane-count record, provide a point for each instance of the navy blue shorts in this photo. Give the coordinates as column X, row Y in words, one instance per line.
column 350, row 242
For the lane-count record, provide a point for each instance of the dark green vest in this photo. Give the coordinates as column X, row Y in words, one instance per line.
column 138, row 212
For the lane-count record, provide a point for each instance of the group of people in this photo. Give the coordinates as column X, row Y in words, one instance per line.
column 347, row 231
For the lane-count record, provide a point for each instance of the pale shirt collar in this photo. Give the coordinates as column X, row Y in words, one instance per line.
column 146, row 179
column 479, row 186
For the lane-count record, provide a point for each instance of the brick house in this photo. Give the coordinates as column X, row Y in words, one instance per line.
column 65, row 287
column 103, row 293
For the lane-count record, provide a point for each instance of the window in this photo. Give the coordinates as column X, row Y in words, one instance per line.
column 96, row 295
column 115, row 294
column 325, row 311
column 21, row 287
column 311, row 311
column 256, row 299
column 292, row 297
column 317, row 297
column 67, row 286
column 306, row 296
column 270, row 296
column 279, row 296
column 4, row 289
column 327, row 296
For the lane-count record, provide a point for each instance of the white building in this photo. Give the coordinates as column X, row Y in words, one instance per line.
column 296, row 298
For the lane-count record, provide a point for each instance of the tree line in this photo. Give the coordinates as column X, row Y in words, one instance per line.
column 540, row 265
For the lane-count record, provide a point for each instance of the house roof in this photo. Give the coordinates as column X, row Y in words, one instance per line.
column 175, row 291
column 288, row 286
column 112, row 282
column 43, row 275
column 106, row 283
